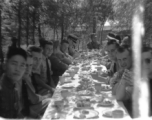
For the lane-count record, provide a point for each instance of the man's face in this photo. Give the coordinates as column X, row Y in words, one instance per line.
column 65, row 47
column 37, row 59
column 111, row 49
column 29, row 65
column 147, row 63
column 124, row 59
column 15, row 67
column 48, row 50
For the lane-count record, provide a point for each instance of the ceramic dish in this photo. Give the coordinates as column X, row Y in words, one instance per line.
column 86, row 114
column 113, row 114
column 105, row 103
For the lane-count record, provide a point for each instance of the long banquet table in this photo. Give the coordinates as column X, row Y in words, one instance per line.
column 62, row 107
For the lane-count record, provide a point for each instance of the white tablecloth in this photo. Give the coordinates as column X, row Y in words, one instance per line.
column 69, row 113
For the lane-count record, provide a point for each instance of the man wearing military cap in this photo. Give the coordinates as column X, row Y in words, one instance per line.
column 72, row 39
column 93, row 44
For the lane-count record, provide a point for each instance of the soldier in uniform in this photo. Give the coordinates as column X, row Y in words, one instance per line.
column 93, row 44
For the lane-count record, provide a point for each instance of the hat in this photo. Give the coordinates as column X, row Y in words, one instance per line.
column 64, row 41
column 73, row 38
column 43, row 42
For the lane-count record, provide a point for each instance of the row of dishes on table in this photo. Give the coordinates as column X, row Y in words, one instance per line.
column 82, row 96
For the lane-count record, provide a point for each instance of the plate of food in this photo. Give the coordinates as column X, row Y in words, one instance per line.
column 105, row 87
column 83, row 104
column 86, row 114
column 106, row 103
column 113, row 114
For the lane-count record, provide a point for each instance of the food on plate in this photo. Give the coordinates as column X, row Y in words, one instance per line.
column 85, row 112
column 80, row 116
column 105, row 103
column 118, row 113
column 114, row 114
column 56, row 116
column 105, row 87
column 82, row 104
column 98, row 68
column 108, row 114
column 91, row 89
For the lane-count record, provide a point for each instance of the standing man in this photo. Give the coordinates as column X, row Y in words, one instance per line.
column 93, row 44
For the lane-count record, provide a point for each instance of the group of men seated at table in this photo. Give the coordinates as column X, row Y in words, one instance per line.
column 30, row 76
column 120, row 69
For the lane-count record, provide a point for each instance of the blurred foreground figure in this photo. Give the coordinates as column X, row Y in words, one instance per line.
column 12, row 97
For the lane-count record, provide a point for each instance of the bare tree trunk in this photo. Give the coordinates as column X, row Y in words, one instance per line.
column 62, row 27
column 57, row 34
column 1, row 51
column 27, row 26
column 54, row 33
column 33, row 36
column 39, row 30
column 101, row 34
column 19, row 23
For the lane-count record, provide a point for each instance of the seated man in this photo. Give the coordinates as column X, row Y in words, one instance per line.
column 45, row 68
column 58, row 66
column 111, row 47
column 93, row 44
column 64, row 57
column 147, row 70
column 11, row 94
column 124, row 57
column 41, row 85
column 72, row 39
column 124, row 90
column 37, row 103
column 122, row 82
